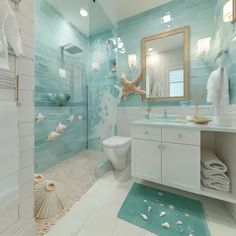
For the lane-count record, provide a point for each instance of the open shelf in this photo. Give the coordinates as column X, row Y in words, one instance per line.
column 224, row 196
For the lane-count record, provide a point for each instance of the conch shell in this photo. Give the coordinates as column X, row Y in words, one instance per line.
column 61, row 128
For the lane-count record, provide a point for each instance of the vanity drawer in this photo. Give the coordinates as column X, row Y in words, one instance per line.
column 181, row 136
column 147, row 133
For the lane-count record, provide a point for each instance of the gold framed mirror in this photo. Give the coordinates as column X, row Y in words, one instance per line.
column 234, row 10
column 165, row 65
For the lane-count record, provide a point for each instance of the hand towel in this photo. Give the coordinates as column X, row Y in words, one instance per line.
column 9, row 33
column 218, row 185
column 210, row 174
column 218, row 88
column 9, row 155
column 212, row 162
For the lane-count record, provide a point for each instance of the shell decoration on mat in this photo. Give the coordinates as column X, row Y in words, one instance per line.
column 51, row 202
column 40, row 118
column 71, row 118
column 162, row 214
column 61, row 128
column 149, row 209
column 179, row 222
column 166, row 225
column 53, row 136
column 144, row 217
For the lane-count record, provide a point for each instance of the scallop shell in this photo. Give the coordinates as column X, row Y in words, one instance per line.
column 51, row 201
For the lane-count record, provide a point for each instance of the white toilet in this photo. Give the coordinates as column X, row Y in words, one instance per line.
column 118, row 151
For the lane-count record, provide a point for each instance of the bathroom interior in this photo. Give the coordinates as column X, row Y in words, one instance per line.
column 118, row 117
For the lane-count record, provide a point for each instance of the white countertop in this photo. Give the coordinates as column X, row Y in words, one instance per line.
column 185, row 125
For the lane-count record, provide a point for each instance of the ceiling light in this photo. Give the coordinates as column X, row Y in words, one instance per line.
column 166, row 19
column 83, row 12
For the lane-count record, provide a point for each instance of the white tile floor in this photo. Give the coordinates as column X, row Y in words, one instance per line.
column 95, row 214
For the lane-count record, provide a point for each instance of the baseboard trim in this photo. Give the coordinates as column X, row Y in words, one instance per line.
column 28, row 230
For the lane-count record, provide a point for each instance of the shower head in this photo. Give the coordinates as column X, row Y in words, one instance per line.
column 71, row 49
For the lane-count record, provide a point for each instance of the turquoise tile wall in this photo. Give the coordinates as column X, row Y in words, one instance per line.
column 102, row 95
column 52, row 32
column 225, row 39
column 198, row 14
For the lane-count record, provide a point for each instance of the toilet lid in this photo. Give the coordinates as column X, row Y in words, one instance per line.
column 116, row 141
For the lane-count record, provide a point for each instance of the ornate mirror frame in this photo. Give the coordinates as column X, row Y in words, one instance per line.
column 234, row 10
column 186, row 32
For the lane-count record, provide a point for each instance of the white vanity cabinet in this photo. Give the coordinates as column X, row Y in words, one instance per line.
column 181, row 166
column 169, row 153
column 167, row 156
column 147, row 161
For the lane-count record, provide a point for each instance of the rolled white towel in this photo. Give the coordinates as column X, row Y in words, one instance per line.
column 210, row 174
column 218, row 185
column 212, row 162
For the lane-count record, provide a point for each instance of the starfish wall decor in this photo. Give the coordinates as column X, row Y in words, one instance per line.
column 129, row 87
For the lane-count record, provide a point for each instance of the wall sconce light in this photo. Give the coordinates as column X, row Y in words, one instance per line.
column 132, row 60
column 203, row 46
column 95, row 67
column 228, row 11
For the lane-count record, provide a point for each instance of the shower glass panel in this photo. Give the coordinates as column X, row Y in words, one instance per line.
column 61, row 54
column 102, row 95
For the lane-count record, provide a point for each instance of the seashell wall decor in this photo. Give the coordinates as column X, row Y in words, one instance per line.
column 40, row 118
column 53, row 136
column 71, row 118
column 61, row 128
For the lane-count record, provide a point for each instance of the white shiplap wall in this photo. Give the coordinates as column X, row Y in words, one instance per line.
column 17, row 219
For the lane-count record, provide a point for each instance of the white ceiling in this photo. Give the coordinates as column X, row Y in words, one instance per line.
column 121, row 9
column 103, row 13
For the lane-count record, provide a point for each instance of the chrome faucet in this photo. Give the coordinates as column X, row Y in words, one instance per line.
column 165, row 114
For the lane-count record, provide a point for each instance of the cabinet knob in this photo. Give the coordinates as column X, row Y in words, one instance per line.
column 146, row 132
column 159, row 146
column 164, row 147
column 180, row 136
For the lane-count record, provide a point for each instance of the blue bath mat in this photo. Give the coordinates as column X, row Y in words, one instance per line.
column 167, row 214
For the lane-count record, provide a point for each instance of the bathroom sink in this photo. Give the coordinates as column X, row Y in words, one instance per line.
column 169, row 119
